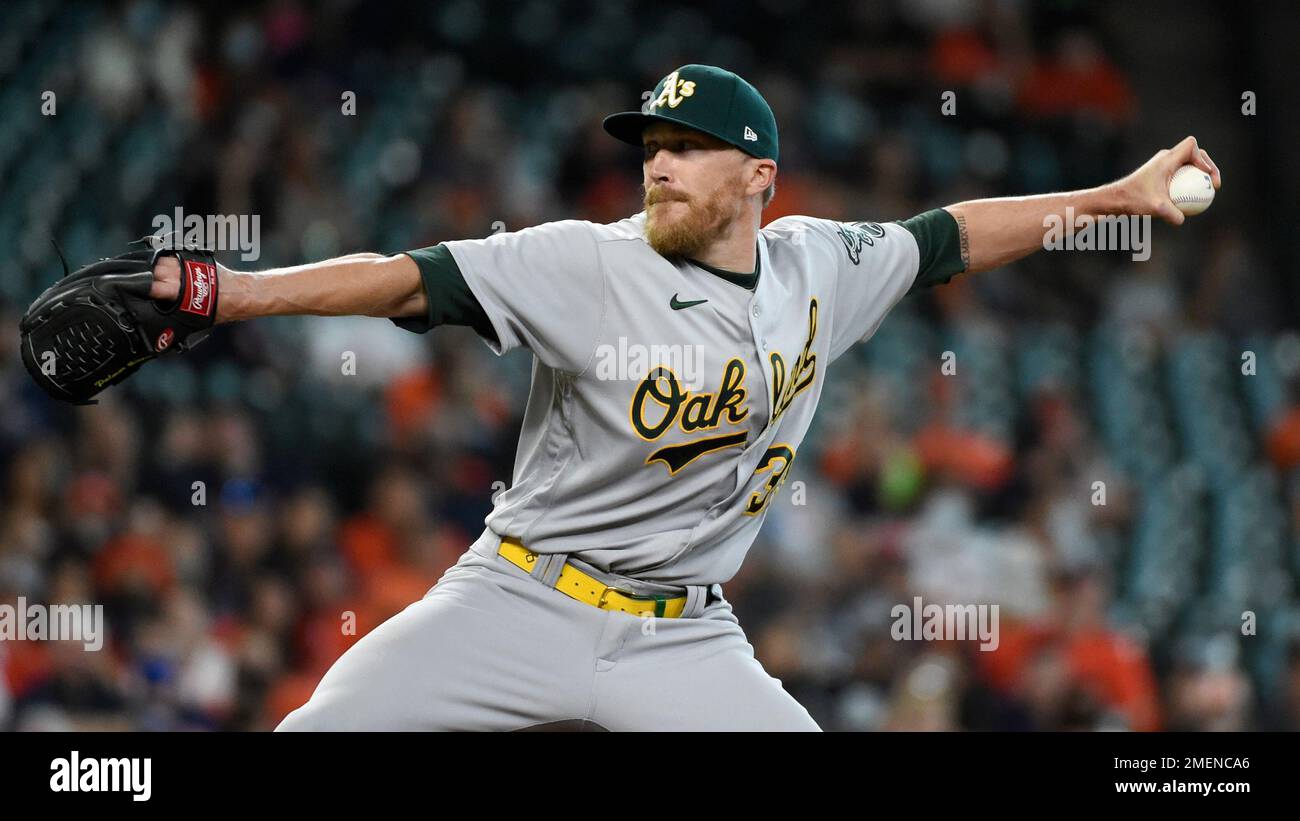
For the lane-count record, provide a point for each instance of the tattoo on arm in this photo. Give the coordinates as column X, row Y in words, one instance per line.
column 964, row 239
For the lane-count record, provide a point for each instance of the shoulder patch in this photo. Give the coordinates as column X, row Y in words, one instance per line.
column 854, row 235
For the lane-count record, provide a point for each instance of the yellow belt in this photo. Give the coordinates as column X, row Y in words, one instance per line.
column 588, row 590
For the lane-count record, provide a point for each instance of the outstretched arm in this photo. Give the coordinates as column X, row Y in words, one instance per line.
column 356, row 284
column 995, row 232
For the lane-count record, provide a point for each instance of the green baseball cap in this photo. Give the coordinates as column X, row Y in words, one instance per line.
column 708, row 99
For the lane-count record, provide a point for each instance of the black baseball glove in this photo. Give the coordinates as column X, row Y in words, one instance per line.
column 98, row 325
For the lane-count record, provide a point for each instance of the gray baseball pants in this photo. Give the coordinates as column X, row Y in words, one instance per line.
column 491, row 648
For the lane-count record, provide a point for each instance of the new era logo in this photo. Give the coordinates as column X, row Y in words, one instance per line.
column 750, row 135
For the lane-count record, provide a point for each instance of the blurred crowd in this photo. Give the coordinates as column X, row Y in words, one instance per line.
column 247, row 512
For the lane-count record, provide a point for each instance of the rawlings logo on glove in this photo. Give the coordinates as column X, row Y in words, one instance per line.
column 98, row 325
column 200, row 284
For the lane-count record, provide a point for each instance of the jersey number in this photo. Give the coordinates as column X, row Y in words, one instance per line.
column 775, row 462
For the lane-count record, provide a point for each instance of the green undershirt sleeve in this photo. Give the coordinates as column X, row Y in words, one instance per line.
column 451, row 302
column 939, row 241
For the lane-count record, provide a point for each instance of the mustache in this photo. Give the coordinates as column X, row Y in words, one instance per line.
column 659, row 194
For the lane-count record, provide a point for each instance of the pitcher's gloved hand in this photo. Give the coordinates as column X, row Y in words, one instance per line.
column 97, row 325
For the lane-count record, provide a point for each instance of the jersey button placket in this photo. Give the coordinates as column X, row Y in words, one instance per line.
column 760, row 342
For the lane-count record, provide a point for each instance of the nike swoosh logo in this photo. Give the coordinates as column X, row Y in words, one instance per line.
column 677, row 304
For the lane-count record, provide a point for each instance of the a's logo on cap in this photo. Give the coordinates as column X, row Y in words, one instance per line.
column 750, row 135
column 675, row 90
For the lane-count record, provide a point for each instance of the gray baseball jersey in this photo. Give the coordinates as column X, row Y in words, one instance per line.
column 668, row 403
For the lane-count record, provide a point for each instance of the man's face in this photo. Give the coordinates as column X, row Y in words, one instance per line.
column 695, row 188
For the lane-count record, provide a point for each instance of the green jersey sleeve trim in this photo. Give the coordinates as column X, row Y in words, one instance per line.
column 939, row 241
column 451, row 302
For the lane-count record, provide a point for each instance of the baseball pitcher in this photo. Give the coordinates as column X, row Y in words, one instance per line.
column 679, row 356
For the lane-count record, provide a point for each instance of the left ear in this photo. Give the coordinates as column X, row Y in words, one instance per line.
column 761, row 175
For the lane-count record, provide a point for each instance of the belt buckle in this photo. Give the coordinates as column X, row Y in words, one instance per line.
column 652, row 608
column 604, row 595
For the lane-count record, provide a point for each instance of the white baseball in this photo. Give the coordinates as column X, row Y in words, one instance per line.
column 1191, row 190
